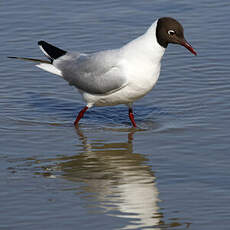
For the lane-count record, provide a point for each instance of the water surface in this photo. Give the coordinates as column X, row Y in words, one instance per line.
column 171, row 173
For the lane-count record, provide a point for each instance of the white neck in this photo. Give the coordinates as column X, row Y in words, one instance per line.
column 147, row 44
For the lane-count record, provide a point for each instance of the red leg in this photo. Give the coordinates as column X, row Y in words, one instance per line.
column 80, row 115
column 131, row 117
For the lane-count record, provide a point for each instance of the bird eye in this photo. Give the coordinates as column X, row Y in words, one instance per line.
column 171, row 32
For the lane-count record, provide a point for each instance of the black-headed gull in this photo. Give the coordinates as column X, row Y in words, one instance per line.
column 117, row 76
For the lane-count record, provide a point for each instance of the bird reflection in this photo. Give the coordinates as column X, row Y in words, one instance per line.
column 119, row 180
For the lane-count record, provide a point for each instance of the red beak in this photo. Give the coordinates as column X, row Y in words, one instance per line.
column 188, row 46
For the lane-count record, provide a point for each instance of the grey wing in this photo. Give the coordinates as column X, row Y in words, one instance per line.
column 95, row 74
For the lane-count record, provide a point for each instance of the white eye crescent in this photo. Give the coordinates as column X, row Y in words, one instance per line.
column 171, row 32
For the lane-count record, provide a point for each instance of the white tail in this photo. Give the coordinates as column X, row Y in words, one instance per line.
column 49, row 68
column 51, row 53
column 43, row 64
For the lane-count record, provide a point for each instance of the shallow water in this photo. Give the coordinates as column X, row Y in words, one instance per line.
column 171, row 173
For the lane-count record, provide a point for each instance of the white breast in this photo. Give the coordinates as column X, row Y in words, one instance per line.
column 140, row 62
column 140, row 82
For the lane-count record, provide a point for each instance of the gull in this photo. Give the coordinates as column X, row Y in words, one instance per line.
column 115, row 76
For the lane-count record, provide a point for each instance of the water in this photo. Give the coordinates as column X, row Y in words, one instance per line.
column 172, row 173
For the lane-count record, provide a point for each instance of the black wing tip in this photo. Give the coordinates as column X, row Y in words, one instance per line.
column 12, row 57
column 50, row 50
column 40, row 43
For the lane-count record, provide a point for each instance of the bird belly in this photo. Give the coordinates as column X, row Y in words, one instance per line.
column 134, row 90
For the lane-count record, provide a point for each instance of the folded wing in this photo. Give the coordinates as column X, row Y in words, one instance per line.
column 98, row 73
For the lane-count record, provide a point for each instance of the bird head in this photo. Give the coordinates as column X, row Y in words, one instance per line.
column 170, row 30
